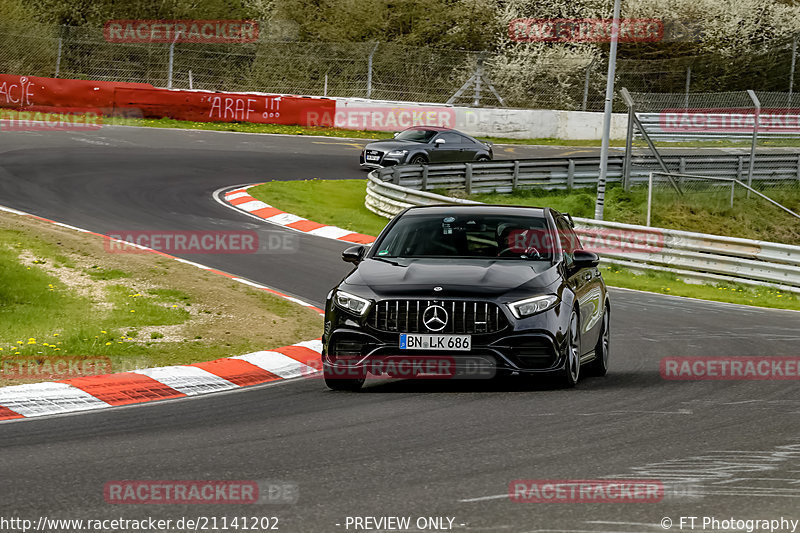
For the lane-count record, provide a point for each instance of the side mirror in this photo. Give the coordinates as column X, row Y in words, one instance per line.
column 354, row 254
column 437, row 142
column 395, row 134
column 584, row 259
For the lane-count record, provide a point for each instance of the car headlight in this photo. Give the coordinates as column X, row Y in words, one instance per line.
column 351, row 302
column 531, row 306
column 397, row 153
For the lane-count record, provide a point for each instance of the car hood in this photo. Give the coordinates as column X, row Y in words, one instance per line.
column 392, row 144
column 470, row 277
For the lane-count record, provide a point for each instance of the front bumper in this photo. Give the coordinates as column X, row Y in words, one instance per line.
column 534, row 345
column 527, row 353
column 384, row 161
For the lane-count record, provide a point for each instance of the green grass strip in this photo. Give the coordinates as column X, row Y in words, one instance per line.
column 341, row 203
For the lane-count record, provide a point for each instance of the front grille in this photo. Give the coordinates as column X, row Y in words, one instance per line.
column 406, row 316
column 377, row 153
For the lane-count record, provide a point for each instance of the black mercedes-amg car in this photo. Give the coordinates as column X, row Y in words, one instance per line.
column 425, row 144
column 468, row 291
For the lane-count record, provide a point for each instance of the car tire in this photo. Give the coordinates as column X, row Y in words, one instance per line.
column 333, row 382
column 599, row 367
column 571, row 373
column 418, row 159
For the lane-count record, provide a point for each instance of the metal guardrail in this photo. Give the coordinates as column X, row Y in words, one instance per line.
column 577, row 172
column 654, row 124
column 691, row 256
column 387, row 199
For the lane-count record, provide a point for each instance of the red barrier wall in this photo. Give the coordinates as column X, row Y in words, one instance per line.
column 144, row 100
column 223, row 107
column 32, row 92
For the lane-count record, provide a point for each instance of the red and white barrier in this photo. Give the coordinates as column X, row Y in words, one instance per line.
column 146, row 101
column 31, row 93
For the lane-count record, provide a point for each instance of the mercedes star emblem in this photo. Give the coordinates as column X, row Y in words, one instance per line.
column 435, row 317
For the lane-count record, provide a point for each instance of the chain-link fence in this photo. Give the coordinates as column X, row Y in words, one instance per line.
column 705, row 147
column 379, row 70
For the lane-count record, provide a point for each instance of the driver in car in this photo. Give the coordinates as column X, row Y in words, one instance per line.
column 516, row 240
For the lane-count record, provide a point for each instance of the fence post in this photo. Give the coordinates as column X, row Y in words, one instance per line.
column 58, row 58
column 791, row 70
column 586, row 86
column 688, row 84
column 424, row 177
column 396, row 175
column 476, row 101
column 733, row 192
column 570, row 174
column 468, row 178
column 626, row 162
column 741, row 166
column 649, row 198
column 171, row 59
column 798, row 167
column 369, row 70
column 325, row 89
column 515, row 175
column 191, row 81
column 757, row 105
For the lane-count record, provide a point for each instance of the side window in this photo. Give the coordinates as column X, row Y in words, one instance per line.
column 568, row 239
column 450, row 138
column 465, row 140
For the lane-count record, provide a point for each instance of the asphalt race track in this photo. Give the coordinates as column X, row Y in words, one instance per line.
column 399, row 448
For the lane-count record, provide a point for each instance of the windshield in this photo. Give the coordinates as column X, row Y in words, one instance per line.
column 474, row 236
column 416, row 135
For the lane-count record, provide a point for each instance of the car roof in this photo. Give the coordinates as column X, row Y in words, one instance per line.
column 479, row 209
column 431, row 128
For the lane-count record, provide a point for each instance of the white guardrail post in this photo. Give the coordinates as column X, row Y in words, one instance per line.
column 695, row 257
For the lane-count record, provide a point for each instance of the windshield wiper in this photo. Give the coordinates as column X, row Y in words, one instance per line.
column 385, row 260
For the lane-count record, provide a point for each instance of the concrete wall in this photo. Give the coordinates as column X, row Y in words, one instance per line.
column 355, row 113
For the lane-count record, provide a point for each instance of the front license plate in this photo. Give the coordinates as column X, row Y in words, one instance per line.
column 373, row 158
column 448, row 343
